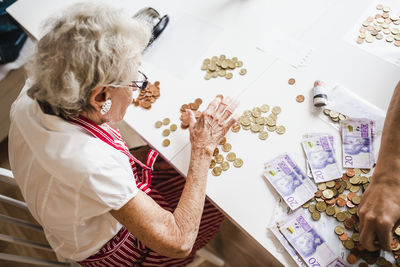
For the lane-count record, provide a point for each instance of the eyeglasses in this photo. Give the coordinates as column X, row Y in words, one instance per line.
column 136, row 84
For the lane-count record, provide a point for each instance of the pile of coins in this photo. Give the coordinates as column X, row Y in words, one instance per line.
column 219, row 163
column 254, row 121
column 381, row 26
column 334, row 115
column 339, row 199
column 167, row 130
column 221, row 67
column 194, row 106
column 148, row 96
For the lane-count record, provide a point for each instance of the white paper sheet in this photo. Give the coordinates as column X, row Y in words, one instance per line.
column 379, row 48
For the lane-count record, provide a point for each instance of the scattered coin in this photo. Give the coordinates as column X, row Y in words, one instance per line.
column 238, row 162
column 226, row 147
column 217, row 171
column 148, row 96
column 166, row 142
column 221, row 67
column 225, row 166
column 292, row 81
column 166, row 132
column 158, row 124
column 300, row 98
column 173, row 127
column 280, row 129
column 231, row 156
column 263, row 135
column 166, row 121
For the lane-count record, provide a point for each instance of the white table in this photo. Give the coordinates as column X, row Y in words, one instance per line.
column 233, row 27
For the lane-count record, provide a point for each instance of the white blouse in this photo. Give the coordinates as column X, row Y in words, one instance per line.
column 69, row 179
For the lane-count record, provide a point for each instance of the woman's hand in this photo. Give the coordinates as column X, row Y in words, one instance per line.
column 379, row 212
column 212, row 125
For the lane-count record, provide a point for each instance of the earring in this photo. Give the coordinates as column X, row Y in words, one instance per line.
column 106, row 107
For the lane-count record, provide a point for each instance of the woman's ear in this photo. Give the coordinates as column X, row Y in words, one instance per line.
column 98, row 96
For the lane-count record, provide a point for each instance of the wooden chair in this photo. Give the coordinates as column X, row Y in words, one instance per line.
column 6, row 176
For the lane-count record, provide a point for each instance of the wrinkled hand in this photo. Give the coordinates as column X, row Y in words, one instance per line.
column 379, row 213
column 213, row 124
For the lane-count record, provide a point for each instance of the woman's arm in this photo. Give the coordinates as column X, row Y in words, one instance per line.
column 380, row 206
column 173, row 234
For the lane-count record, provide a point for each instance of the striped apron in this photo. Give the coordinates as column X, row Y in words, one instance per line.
column 166, row 188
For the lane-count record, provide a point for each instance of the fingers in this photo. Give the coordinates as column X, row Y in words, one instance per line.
column 229, row 124
column 192, row 118
column 367, row 235
column 213, row 106
column 230, row 110
column 222, row 106
column 384, row 232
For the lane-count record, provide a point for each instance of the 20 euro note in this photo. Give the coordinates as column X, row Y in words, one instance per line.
column 322, row 159
column 289, row 180
column 357, row 142
column 307, row 242
column 311, row 135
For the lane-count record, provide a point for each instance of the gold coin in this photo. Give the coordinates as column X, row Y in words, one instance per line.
column 315, row 215
column 330, row 210
column 263, row 135
column 223, row 141
column 238, row 163
column 256, row 112
column 207, row 76
column 276, row 110
column 226, row 147
column 219, row 158
column 342, row 117
column 255, row 128
column 312, row 208
column 321, row 206
column 271, row 128
column 239, row 64
column 173, row 127
column 246, row 127
column 339, row 230
column 280, row 129
column 246, row 122
column 236, row 127
column 212, row 164
column 229, row 76
column 333, row 114
column 354, row 188
column 389, row 38
column 217, row 171
column 166, row 121
column 328, row 193
column 206, row 61
column 327, row 112
column 321, row 186
column 166, row 142
column 356, row 200
column 166, row 132
column 264, row 108
column 330, row 184
column 397, row 231
column 225, row 166
column 341, row 216
column 349, row 244
column 260, row 121
column 355, row 237
column 355, row 180
column 271, row 122
column 306, row 205
column 158, row 124
column 242, row 71
column 231, row 156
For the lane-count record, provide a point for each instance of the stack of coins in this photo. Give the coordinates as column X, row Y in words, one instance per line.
column 340, row 199
column 221, row 67
column 219, row 164
column 254, row 121
column 168, row 129
column 148, row 96
column 334, row 115
column 381, row 26
column 194, row 106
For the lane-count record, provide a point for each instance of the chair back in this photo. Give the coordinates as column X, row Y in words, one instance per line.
column 7, row 177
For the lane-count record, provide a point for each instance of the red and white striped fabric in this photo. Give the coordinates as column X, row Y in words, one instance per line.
column 124, row 249
column 143, row 182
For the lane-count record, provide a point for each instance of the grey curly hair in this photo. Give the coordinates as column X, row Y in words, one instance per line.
column 90, row 44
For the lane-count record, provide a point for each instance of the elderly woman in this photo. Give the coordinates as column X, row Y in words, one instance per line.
column 76, row 174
